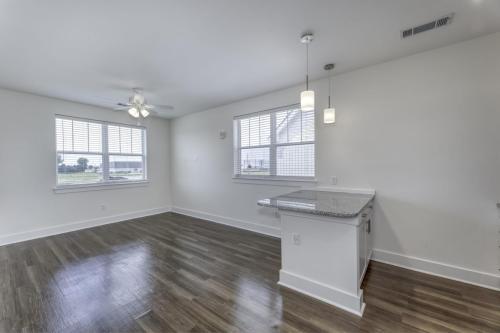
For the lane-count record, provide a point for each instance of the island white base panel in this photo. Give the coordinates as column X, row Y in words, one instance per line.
column 325, row 258
column 325, row 293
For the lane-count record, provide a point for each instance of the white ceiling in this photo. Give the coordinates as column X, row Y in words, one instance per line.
column 197, row 54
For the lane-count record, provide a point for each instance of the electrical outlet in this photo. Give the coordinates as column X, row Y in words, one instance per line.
column 334, row 180
column 296, row 239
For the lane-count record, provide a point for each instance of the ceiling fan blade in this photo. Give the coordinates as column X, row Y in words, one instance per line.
column 121, row 109
column 124, row 104
column 165, row 107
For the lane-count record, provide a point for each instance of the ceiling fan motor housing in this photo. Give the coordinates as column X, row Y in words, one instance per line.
column 137, row 99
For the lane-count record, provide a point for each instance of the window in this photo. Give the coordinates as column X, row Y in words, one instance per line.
column 276, row 144
column 94, row 152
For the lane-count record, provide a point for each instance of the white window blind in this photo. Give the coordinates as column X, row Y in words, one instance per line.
column 278, row 143
column 94, row 152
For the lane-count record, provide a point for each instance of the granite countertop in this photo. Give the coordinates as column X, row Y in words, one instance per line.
column 324, row 203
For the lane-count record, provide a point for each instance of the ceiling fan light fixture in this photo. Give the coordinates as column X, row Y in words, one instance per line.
column 133, row 112
column 138, row 107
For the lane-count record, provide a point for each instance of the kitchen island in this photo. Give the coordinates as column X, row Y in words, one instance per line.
column 326, row 243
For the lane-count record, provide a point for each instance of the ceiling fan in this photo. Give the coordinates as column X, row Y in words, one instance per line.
column 138, row 107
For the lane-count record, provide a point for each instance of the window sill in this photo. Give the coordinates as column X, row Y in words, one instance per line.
column 99, row 187
column 287, row 182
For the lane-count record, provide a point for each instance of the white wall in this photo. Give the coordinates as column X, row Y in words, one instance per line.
column 424, row 131
column 28, row 205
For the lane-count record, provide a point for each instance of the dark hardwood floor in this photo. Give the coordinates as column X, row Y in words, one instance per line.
column 174, row 273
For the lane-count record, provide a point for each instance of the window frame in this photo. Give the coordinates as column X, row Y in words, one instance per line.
column 273, row 147
column 106, row 182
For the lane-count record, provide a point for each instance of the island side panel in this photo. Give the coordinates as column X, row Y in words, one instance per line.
column 320, row 257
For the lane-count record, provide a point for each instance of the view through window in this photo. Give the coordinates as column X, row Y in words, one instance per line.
column 93, row 152
column 278, row 143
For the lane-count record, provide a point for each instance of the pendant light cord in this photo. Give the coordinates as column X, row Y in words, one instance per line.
column 307, row 66
column 329, row 90
column 328, row 68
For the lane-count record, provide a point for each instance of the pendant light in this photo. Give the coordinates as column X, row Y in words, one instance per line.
column 307, row 96
column 329, row 113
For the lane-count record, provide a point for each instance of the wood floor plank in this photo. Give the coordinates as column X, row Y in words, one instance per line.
column 173, row 273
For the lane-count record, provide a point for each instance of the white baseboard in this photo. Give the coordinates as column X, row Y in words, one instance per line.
column 481, row 279
column 323, row 292
column 259, row 228
column 73, row 226
column 461, row 274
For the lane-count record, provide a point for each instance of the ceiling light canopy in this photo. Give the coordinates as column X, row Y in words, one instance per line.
column 307, row 96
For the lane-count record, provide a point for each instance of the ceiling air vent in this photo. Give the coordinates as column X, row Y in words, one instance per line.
column 440, row 22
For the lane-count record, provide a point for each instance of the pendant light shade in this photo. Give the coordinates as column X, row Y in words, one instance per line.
column 329, row 116
column 307, row 96
column 329, row 112
column 144, row 113
column 307, row 100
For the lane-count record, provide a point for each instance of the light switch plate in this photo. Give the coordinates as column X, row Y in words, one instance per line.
column 296, row 239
